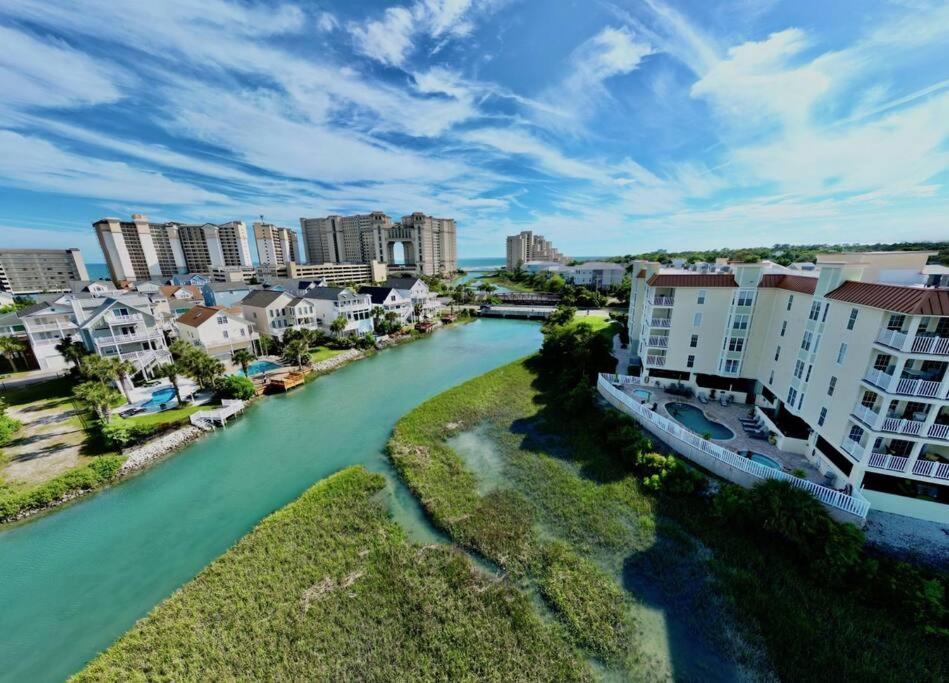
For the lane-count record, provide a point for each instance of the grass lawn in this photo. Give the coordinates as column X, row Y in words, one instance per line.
column 164, row 417
column 324, row 353
column 328, row 588
column 504, row 282
column 61, row 387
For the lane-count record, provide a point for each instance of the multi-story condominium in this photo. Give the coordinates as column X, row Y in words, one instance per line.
column 274, row 311
column 32, row 271
column 339, row 273
column 216, row 331
column 232, row 274
column 526, row 246
column 391, row 300
column 140, row 250
column 595, row 274
column 850, row 362
column 429, row 245
column 276, row 247
column 111, row 324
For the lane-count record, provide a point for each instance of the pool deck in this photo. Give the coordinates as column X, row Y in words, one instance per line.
column 729, row 416
column 141, row 395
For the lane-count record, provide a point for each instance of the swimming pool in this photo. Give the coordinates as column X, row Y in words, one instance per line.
column 642, row 394
column 159, row 396
column 766, row 461
column 259, row 367
column 694, row 419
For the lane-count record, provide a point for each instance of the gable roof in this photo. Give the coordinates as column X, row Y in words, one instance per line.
column 168, row 291
column 793, row 283
column 401, row 282
column 901, row 299
column 261, row 298
column 328, row 293
column 199, row 315
column 692, row 280
column 377, row 294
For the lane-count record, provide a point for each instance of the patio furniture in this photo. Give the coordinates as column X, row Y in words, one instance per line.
column 723, row 400
column 703, row 399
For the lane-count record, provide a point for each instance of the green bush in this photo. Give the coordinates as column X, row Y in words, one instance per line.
column 8, row 427
column 123, row 434
column 236, row 387
column 99, row 472
column 668, row 474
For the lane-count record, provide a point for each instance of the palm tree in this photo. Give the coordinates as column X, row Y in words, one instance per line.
column 296, row 350
column 99, row 397
column 417, row 312
column 10, row 348
column 204, row 369
column 123, row 372
column 266, row 343
column 338, row 325
column 244, row 358
column 99, row 369
column 73, row 351
column 171, row 371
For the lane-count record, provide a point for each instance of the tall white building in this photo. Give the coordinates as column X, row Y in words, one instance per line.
column 140, row 250
column 428, row 244
column 276, row 246
column 526, row 246
column 851, row 358
column 32, row 271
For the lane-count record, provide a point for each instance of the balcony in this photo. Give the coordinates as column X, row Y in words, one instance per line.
column 658, row 342
column 866, row 415
column 53, row 327
column 900, row 426
column 662, row 301
column 660, row 322
column 890, row 463
column 921, row 343
column 116, row 319
column 905, row 386
column 655, row 361
column 117, row 339
column 853, row 449
column 928, row 468
column 938, row 431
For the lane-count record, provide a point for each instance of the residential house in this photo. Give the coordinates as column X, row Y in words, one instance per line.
column 415, row 289
column 332, row 302
column 273, row 312
column 226, row 294
column 391, row 300
column 217, row 331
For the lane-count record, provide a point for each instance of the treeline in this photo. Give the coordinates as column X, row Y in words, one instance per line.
column 570, row 294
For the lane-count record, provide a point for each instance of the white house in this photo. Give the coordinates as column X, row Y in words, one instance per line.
column 273, row 312
column 391, row 300
column 217, row 331
column 332, row 302
column 417, row 292
column 596, row 274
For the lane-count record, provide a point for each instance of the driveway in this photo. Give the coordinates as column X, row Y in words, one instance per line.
column 48, row 444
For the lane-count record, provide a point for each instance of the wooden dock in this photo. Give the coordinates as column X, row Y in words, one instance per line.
column 287, row 382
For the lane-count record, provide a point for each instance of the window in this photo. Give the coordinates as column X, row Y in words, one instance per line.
column 771, row 378
column 800, row 400
column 243, row 331
column 222, row 320
column 815, row 310
column 697, row 320
column 736, row 344
column 225, row 334
column 741, row 322
column 807, row 377
column 792, row 396
column 701, row 298
column 856, row 433
column 784, row 327
column 745, row 298
column 790, row 301
column 806, row 341
column 869, row 399
column 831, row 386
column 823, row 318
column 690, row 362
column 853, row 318
column 731, row 367
column 799, row 369
column 896, row 322
column 694, row 341
column 841, row 353
column 822, row 417
column 777, row 353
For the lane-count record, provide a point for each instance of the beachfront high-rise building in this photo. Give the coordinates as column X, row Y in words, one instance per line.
column 428, row 244
column 276, row 246
column 32, row 271
column 140, row 250
column 526, row 247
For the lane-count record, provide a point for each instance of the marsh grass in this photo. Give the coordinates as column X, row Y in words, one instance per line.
column 328, row 588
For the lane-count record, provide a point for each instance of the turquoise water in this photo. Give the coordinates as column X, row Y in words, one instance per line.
column 160, row 396
column 73, row 581
column 641, row 394
column 260, row 366
column 695, row 419
column 766, row 461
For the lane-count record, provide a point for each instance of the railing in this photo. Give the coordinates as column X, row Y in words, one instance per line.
column 853, row 448
column 891, row 463
column 939, row 431
column 228, row 409
column 921, row 343
column 662, row 301
column 866, row 415
column 660, row 322
column 658, row 361
column 113, row 340
column 52, row 327
column 917, row 387
column 120, row 319
column 928, row 468
column 900, row 426
column 892, row 338
column 879, row 378
column 658, row 342
column 835, row 499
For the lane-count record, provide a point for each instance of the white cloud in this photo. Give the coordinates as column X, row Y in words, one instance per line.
column 327, row 22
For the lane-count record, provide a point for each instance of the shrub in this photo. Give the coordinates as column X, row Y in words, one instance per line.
column 100, row 471
column 667, row 474
column 8, row 427
column 235, row 386
column 123, row 434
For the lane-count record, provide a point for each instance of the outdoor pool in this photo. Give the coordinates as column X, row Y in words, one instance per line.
column 159, row 396
column 642, row 394
column 259, row 367
column 694, row 419
column 766, row 461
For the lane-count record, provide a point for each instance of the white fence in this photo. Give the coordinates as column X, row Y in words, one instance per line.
column 711, row 456
column 206, row 419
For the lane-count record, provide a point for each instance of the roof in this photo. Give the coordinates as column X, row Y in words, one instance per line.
column 169, row 291
column 401, row 282
column 33, row 308
column 199, row 315
column 911, row 300
column 377, row 294
column 793, row 283
column 261, row 298
column 229, row 286
column 641, row 274
column 692, row 280
column 601, row 264
column 329, row 293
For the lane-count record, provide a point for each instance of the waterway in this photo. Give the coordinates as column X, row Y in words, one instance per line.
column 75, row 580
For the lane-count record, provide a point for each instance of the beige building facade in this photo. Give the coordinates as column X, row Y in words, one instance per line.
column 33, row 271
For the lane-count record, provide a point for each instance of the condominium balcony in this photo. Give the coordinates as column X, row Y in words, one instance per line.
column 921, row 343
column 116, row 339
column 906, row 386
column 660, row 322
column 658, row 342
column 885, row 461
column 655, row 361
column 662, row 301
column 939, row 431
column 853, row 448
column 928, row 468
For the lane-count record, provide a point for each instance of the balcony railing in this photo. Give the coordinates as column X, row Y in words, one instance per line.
column 928, row 468
column 866, row 415
column 921, row 343
column 662, row 301
column 660, row 322
column 53, row 327
column 123, row 319
column 900, row 426
column 657, row 361
column 658, row 342
column 939, row 431
column 891, row 463
column 853, row 448
column 879, row 378
column 905, row 386
column 113, row 340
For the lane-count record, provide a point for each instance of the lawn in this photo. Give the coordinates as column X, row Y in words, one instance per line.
column 61, row 387
column 165, row 417
column 329, row 588
column 324, row 353
column 504, row 282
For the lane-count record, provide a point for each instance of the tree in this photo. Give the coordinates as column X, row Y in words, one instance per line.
column 204, row 369
column 236, row 386
column 181, row 350
column 10, row 348
column 417, row 312
column 338, row 325
column 99, row 397
column 73, row 351
column 244, row 358
column 297, row 350
column 266, row 343
column 171, row 371
column 560, row 316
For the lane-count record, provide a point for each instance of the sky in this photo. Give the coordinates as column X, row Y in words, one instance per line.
column 609, row 127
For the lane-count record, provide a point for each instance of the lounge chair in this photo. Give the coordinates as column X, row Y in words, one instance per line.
column 723, row 400
column 703, row 399
column 129, row 412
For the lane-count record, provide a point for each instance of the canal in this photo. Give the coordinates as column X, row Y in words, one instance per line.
column 75, row 580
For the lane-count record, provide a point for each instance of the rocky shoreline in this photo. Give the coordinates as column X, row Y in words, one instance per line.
column 144, row 455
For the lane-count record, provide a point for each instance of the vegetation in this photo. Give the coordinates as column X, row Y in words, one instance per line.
column 12, row 348
column 244, row 358
column 97, row 473
column 8, row 425
column 235, row 387
column 322, row 353
column 328, row 588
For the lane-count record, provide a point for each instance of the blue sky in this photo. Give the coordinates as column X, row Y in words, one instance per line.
column 610, row 127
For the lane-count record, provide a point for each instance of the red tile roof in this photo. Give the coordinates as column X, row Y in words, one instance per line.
column 199, row 315
column 794, row 283
column 692, row 280
column 641, row 273
column 911, row 300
